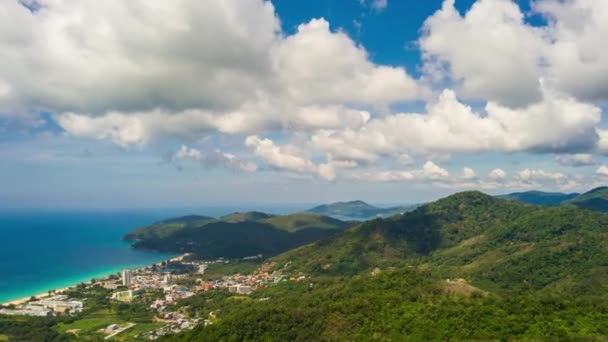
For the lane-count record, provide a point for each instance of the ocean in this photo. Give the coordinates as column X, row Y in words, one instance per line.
column 41, row 250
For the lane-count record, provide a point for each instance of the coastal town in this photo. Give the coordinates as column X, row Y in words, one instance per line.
column 168, row 282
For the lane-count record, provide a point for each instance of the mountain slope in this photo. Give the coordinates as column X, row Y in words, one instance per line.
column 165, row 228
column 357, row 210
column 503, row 245
column 236, row 235
column 467, row 267
column 596, row 199
column 539, row 197
column 246, row 216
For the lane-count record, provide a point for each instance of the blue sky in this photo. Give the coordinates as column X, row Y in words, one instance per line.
column 239, row 102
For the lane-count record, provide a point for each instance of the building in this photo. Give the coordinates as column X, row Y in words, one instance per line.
column 27, row 312
column 126, row 277
column 124, row 296
column 59, row 304
column 240, row 289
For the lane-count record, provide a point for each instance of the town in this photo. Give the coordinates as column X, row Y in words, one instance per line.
column 173, row 280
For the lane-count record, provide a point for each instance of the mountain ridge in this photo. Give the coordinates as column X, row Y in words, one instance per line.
column 234, row 235
column 357, row 209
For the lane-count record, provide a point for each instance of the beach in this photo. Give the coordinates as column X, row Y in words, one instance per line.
column 23, row 300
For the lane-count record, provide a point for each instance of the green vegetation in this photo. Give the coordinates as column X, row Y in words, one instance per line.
column 466, row 267
column 395, row 305
column 247, row 216
column 32, row 328
column 165, row 228
column 234, row 267
column 357, row 210
column 539, row 197
column 596, row 199
column 531, row 272
column 301, row 221
column 237, row 235
column 99, row 313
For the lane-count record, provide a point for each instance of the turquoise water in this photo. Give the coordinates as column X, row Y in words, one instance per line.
column 40, row 251
column 45, row 250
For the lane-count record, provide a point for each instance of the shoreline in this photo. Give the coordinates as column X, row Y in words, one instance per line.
column 23, row 300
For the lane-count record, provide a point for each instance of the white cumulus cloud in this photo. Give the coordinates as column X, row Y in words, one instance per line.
column 214, row 158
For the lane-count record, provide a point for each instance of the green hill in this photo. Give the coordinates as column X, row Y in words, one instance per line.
column 236, row 235
column 596, row 199
column 299, row 221
column 165, row 228
column 467, row 267
column 501, row 244
column 246, row 216
column 357, row 210
column 539, row 197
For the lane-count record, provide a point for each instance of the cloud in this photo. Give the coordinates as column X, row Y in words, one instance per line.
column 512, row 55
column 558, row 123
column 602, row 170
column 293, row 159
column 576, row 49
column 214, row 159
column 406, row 159
column 429, row 172
column 220, row 65
column 433, row 171
column 468, row 173
column 136, row 56
column 575, row 160
column 376, row 5
column 497, row 174
column 505, row 66
column 539, row 175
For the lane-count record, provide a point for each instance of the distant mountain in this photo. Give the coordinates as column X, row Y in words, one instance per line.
column 247, row 216
column 236, row 235
column 467, row 267
column 596, row 199
column 165, row 228
column 539, row 197
column 357, row 210
column 497, row 243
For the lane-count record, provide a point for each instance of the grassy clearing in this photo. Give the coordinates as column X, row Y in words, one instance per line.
column 130, row 334
column 91, row 323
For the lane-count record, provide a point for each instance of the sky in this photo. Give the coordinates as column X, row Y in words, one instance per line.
column 132, row 104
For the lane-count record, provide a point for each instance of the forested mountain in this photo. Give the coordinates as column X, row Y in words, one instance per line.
column 469, row 266
column 358, row 210
column 596, row 199
column 539, row 197
column 236, row 235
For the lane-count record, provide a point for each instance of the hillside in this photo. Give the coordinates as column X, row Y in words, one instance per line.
column 246, row 216
column 357, row 210
column 539, row 197
column 596, row 199
column 236, row 235
column 501, row 244
column 165, row 228
column 467, row 267
column 300, row 221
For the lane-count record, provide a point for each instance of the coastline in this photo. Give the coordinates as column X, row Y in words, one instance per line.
column 104, row 275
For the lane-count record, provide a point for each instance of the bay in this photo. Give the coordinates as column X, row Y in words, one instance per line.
column 41, row 250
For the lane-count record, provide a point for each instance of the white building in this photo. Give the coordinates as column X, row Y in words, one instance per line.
column 126, row 277
column 27, row 312
column 240, row 289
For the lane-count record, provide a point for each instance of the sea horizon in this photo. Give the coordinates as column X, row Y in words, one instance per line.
column 53, row 249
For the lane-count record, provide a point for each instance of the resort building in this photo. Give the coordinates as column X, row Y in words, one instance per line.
column 126, row 277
